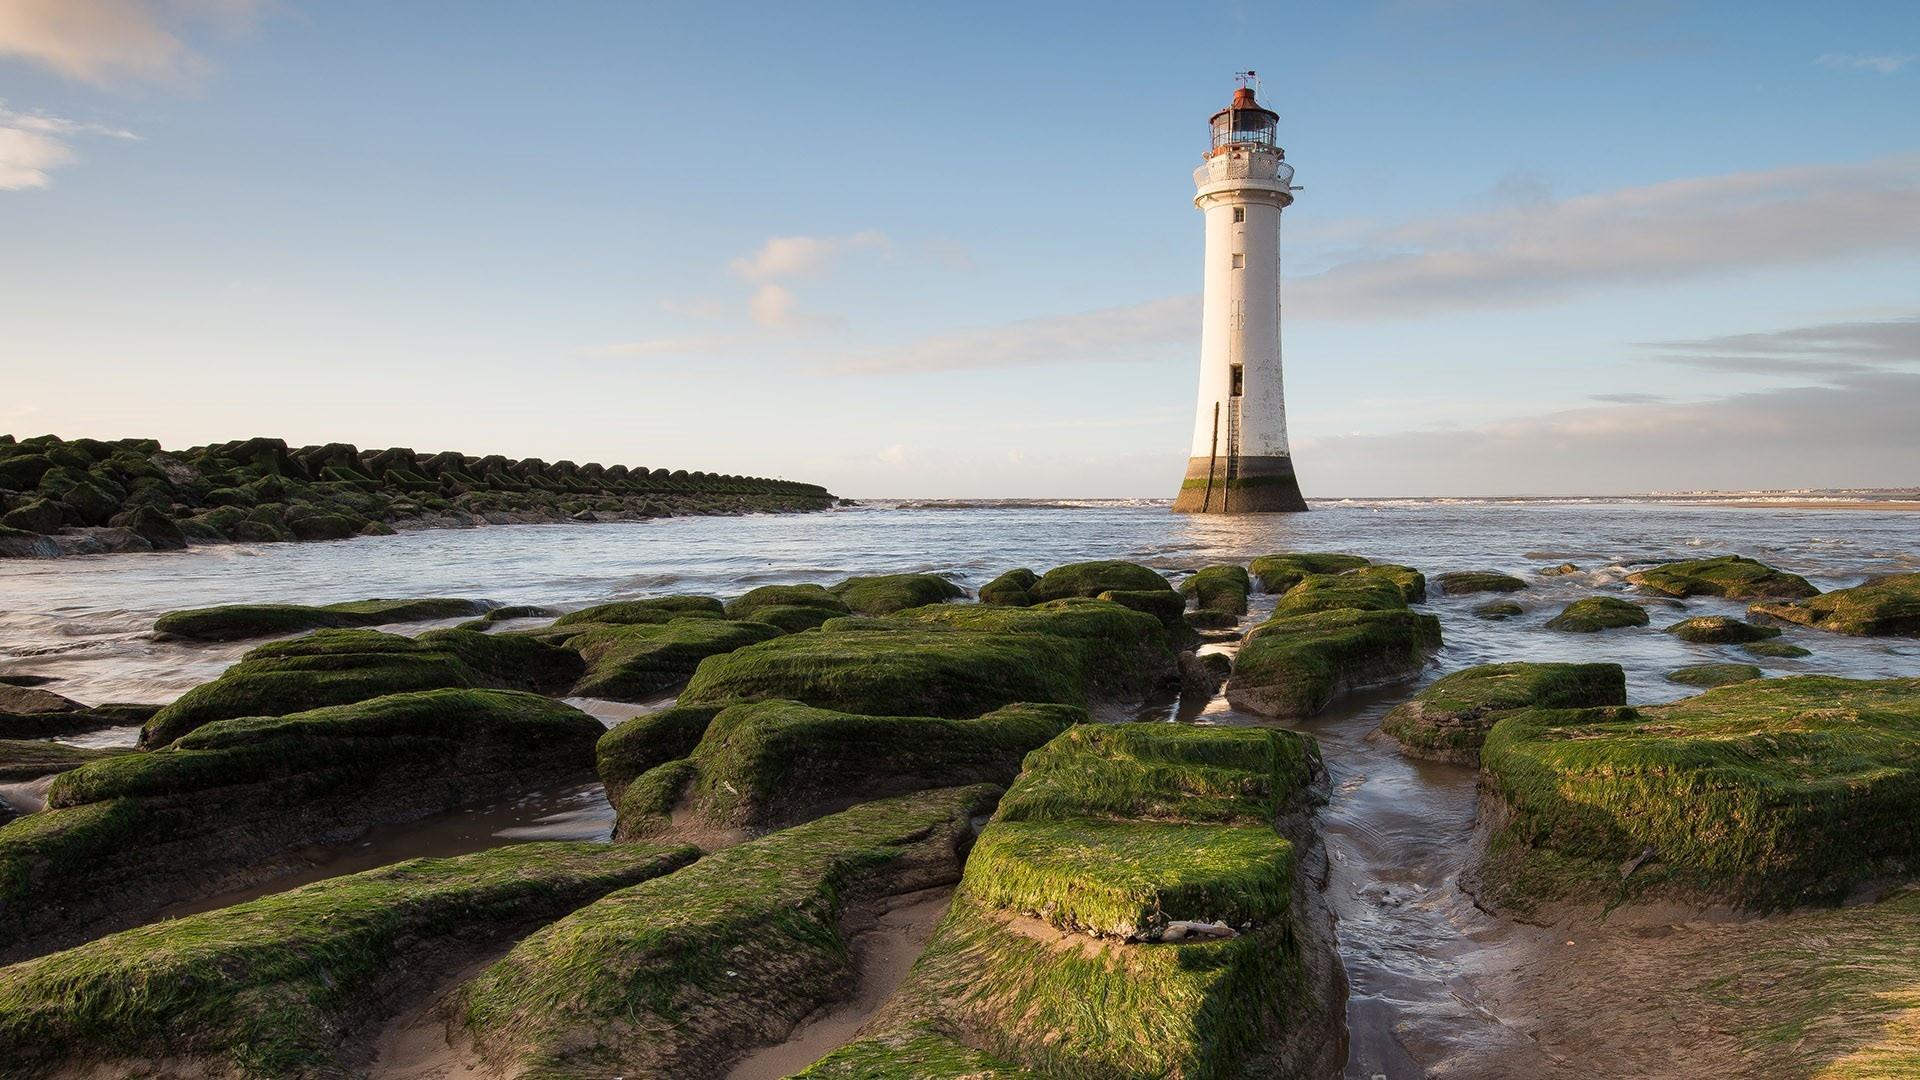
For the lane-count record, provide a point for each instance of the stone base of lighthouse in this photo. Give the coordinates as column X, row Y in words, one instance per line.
column 1259, row 485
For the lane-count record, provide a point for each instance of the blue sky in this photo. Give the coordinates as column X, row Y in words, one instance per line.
column 1547, row 248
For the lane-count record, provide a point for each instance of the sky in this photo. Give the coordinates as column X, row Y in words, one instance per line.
column 950, row 250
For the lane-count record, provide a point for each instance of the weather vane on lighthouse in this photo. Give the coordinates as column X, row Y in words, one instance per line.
column 1240, row 463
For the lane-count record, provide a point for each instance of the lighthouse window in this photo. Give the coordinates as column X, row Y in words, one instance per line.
column 1239, row 261
column 1239, row 213
column 1239, row 383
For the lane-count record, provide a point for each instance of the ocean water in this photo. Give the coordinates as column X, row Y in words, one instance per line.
column 1396, row 830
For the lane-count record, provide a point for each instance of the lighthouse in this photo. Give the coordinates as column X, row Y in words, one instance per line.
column 1239, row 463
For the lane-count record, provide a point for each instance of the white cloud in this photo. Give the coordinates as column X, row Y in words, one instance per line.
column 34, row 144
column 804, row 256
column 1539, row 253
column 1135, row 332
column 1884, row 63
column 105, row 42
column 774, row 305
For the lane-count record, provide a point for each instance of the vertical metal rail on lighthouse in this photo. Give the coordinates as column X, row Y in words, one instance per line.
column 1240, row 462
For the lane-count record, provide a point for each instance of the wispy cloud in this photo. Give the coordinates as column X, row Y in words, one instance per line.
column 33, row 144
column 804, row 256
column 1883, row 63
column 1855, row 428
column 1134, row 332
column 1828, row 349
column 107, row 42
column 1538, row 253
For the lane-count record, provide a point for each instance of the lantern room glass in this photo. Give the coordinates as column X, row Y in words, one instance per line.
column 1244, row 127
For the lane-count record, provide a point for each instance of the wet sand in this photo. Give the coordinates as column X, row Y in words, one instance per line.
column 881, row 956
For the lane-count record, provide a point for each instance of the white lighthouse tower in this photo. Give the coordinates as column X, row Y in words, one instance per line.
column 1240, row 463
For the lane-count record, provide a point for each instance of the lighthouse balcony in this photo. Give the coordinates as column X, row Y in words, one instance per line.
column 1238, row 164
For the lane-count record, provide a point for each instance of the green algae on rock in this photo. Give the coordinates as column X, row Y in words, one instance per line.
column 657, row 609
column 770, row 764
column 888, row 593
column 30, row 759
column 1100, row 930
column 276, row 986
column 1278, row 573
column 950, row 660
column 1219, row 588
column 814, row 596
column 1295, row 665
column 1411, row 583
column 1886, row 606
column 1331, row 592
column 1449, row 720
column 679, row 975
column 1735, row 577
column 129, row 834
column 1719, row 630
column 1708, row 676
column 1498, row 609
column 1593, row 614
column 1766, row 794
column 1010, row 588
column 630, row 663
column 914, row 1053
column 1164, row 604
column 339, row 667
column 1090, row 579
column 505, row 612
column 645, row 742
column 1779, row 649
column 236, row 622
column 1463, row 582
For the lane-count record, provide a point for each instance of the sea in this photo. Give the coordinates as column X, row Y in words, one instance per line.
column 1396, row 831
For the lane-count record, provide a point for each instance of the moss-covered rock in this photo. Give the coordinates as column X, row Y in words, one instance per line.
column 1449, row 720
column 1775, row 649
column 815, row 596
column 770, row 764
column 1163, row 604
column 237, row 622
column 506, row 612
column 1411, row 583
column 1278, row 573
column 1882, row 607
column 29, row 712
column 1707, row 676
column 950, row 660
column 339, row 667
column 634, row 662
column 157, row 528
column 1110, row 924
column 1010, row 588
column 886, row 594
column 30, row 759
column 1769, row 793
column 35, row 516
column 1219, row 588
column 657, row 609
column 638, row 745
column 1719, row 630
column 1295, row 667
column 1498, row 609
column 127, row 835
column 1732, row 576
column 1090, row 579
column 1463, row 582
column 1592, row 614
column 793, row 618
column 678, row 976
column 1330, row 592
column 273, row 987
